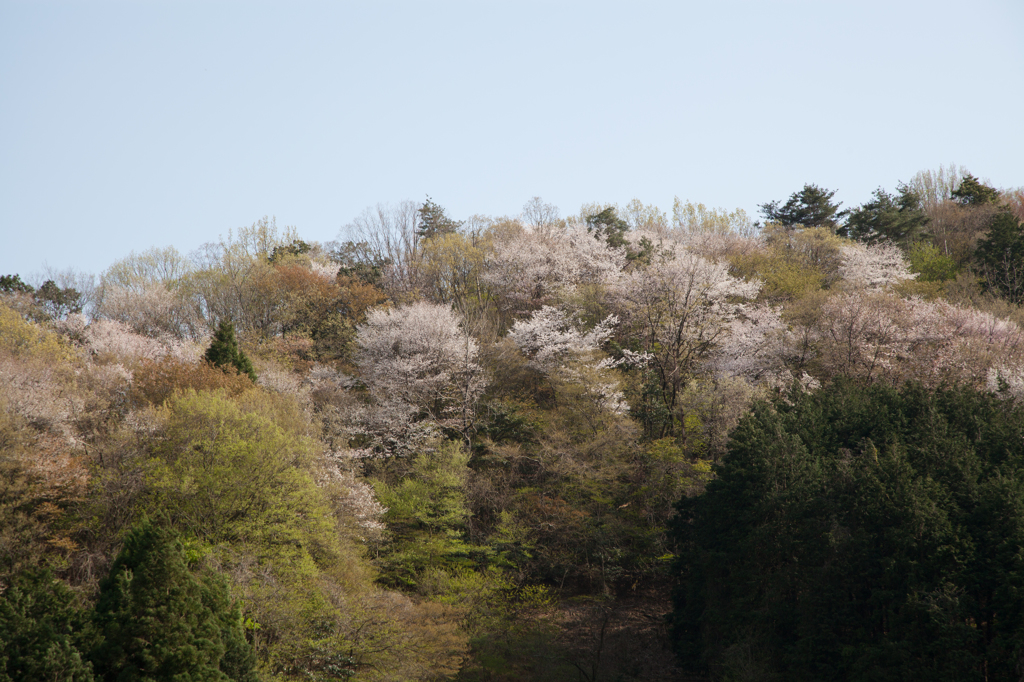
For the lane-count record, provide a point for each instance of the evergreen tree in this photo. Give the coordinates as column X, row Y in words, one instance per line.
column 42, row 632
column 224, row 351
column 897, row 218
column 160, row 622
column 12, row 284
column 860, row 533
column 973, row 192
column 1000, row 257
column 811, row 207
column 434, row 222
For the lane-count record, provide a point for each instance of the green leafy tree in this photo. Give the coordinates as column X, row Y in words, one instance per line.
column 607, row 225
column 898, row 218
column 433, row 222
column 811, row 207
column 224, row 351
column 930, row 264
column 43, row 633
column 161, row 622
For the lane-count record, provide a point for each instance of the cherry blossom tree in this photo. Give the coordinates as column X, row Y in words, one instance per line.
column 873, row 266
column 550, row 336
column 679, row 308
column 881, row 337
column 420, row 355
column 529, row 268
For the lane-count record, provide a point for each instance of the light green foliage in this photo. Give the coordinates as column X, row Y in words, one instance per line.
column 239, row 471
column 426, row 514
column 930, row 263
column 698, row 219
column 793, row 264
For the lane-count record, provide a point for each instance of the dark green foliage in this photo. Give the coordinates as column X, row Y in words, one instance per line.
column 296, row 248
column 42, row 631
column 160, row 622
column 358, row 261
column 898, row 218
column 433, row 221
column 1000, row 257
column 224, row 351
column 860, row 534
column 811, row 207
column 972, row 192
column 607, row 225
column 12, row 284
column 58, row 302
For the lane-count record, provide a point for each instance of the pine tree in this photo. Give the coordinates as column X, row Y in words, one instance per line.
column 160, row 622
column 434, row 222
column 42, row 632
column 224, row 351
column 810, row 207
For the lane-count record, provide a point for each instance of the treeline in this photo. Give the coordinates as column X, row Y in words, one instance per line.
column 478, row 450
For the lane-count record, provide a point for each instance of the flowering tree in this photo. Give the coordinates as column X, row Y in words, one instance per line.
column 550, row 336
column 527, row 268
column 419, row 354
column 873, row 266
column 679, row 308
column 882, row 337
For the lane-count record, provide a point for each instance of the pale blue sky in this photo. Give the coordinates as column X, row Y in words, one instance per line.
column 126, row 125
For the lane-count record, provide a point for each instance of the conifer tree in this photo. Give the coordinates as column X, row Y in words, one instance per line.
column 160, row 622
column 42, row 632
column 224, row 351
column 434, row 222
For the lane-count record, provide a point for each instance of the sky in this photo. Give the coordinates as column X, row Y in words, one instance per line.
column 130, row 125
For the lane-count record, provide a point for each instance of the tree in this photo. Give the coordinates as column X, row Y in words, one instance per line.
column 420, row 355
column 539, row 214
column 224, row 351
column 678, row 309
column 12, row 284
column 433, row 222
column 898, row 218
column 43, row 633
column 1000, row 257
column 607, row 225
column 973, row 192
column 859, row 533
column 810, row 207
column 160, row 622
column 58, row 302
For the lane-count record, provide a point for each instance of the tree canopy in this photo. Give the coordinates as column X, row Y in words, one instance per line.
column 860, row 533
column 811, row 207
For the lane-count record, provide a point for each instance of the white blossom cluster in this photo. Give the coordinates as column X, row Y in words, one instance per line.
column 873, row 266
column 550, row 336
column 530, row 267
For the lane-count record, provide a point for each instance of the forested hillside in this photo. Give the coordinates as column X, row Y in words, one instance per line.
column 619, row 445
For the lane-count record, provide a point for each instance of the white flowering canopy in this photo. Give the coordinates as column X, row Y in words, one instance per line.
column 420, row 355
column 873, row 266
column 529, row 267
column 550, row 335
